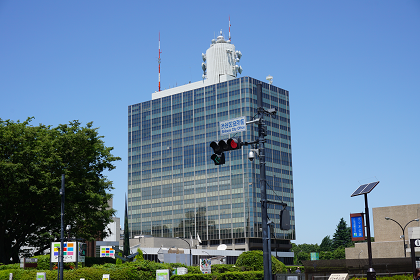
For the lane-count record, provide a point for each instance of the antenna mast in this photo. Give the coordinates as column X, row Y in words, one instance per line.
column 229, row 28
column 159, row 60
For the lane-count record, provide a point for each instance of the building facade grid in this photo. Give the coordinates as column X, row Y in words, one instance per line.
column 174, row 188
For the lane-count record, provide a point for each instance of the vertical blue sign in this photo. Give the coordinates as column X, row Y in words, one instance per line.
column 357, row 227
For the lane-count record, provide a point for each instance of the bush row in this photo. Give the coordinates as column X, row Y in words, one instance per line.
column 247, row 275
column 124, row 273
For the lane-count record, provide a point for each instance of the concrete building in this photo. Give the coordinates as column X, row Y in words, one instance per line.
column 389, row 236
column 176, row 190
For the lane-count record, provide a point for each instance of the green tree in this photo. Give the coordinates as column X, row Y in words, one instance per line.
column 326, row 244
column 326, row 255
column 301, row 256
column 307, row 248
column 342, row 235
column 339, row 253
column 32, row 159
column 126, row 245
column 253, row 260
column 139, row 256
column 303, row 252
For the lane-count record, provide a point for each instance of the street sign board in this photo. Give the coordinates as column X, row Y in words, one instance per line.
column 107, row 251
column 162, row 274
column 205, row 266
column 339, row 276
column 357, row 227
column 314, row 256
column 232, row 126
column 41, row 276
column 69, row 251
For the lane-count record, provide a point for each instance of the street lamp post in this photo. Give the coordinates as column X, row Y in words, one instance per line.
column 190, row 249
column 403, row 229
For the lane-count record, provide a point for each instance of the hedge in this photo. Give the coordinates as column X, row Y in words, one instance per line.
column 247, row 275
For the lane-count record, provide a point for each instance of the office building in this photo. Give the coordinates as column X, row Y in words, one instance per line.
column 176, row 190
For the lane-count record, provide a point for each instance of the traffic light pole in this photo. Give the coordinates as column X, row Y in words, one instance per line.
column 232, row 144
column 262, row 132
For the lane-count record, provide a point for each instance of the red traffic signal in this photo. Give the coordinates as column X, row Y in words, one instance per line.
column 234, row 143
column 226, row 145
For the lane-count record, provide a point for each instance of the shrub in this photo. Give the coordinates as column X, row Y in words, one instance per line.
column 253, row 260
column 292, row 268
column 9, row 266
column 43, row 262
column 247, row 275
column 139, row 256
column 222, row 268
column 91, row 261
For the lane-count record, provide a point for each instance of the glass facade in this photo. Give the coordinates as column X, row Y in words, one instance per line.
column 174, row 188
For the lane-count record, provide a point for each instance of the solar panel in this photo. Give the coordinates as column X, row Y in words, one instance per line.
column 366, row 188
column 359, row 189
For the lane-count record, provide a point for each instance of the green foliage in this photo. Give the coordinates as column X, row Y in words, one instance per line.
column 43, row 262
column 222, row 268
column 91, row 261
column 292, row 268
column 9, row 266
column 32, row 159
column 307, row 248
column 253, row 260
column 395, row 277
column 139, row 256
column 118, row 260
column 326, row 244
column 342, row 235
column 301, row 256
column 247, row 275
column 339, row 253
column 326, row 255
column 126, row 243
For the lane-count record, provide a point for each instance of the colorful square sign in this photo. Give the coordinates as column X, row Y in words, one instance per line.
column 107, row 251
column 69, row 254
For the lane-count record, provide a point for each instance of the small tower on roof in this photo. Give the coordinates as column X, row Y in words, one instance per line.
column 221, row 60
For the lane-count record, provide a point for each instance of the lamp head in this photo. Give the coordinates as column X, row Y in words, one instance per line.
column 387, row 218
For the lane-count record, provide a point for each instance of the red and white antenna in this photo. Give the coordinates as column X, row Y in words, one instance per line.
column 159, row 60
column 229, row 28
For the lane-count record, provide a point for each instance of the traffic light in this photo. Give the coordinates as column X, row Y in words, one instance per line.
column 284, row 219
column 218, row 158
column 83, row 248
column 224, row 145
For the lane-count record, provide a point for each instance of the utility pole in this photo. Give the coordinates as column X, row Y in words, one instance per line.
column 235, row 143
column 61, row 257
column 262, row 132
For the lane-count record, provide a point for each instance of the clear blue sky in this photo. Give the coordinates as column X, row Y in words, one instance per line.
column 352, row 69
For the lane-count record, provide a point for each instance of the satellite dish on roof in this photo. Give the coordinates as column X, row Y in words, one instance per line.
column 222, row 247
